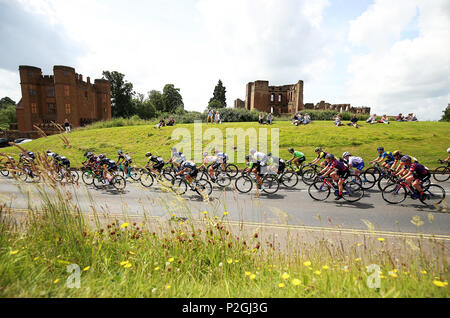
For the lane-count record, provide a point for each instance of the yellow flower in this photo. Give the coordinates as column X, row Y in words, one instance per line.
column 317, row 272
column 56, row 281
column 229, row 261
column 325, row 267
column 307, row 263
column 205, row 212
column 236, row 261
column 395, row 271
column 156, row 269
column 171, row 260
column 168, row 286
column 393, row 275
column 125, row 225
column 285, row 276
column 296, row 282
column 124, row 263
column 127, row 265
column 248, row 273
column 86, row 268
column 357, row 259
column 181, row 223
column 381, row 239
column 14, row 252
column 182, row 233
column 226, row 213
column 252, row 276
column 438, row 283
column 36, row 258
column 131, row 253
column 358, row 244
column 424, row 272
column 281, row 285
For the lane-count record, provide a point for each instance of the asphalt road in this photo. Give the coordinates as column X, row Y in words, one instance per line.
column 293, row 207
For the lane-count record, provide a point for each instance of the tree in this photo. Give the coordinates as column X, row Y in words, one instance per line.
column 121, row 94
column 157, row 100
column 6, row 101
column 172, row 98
column 214, row 104
column 7, row 116
column 145, row 109
column 446, row 116
column 219, row 94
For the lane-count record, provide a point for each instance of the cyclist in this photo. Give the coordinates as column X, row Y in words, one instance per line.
column 126, row 160
column 337, row 170
column 416, row 175
column 213, row 162
column 297, row 157
column 191, row 169
column 158, row 163
column 448, row 158
column 177, row 157
column 108, row 166
column 384, row 155
column 353, row 162
column 258, row 159
column 320, row 155
column 401, row 165
column 223, row 157
column 276, row 165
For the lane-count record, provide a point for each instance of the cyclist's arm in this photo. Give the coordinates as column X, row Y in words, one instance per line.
column 315, row 161
column 182, row 171
column 448, row 159
column 409, row 174
column 325, row 171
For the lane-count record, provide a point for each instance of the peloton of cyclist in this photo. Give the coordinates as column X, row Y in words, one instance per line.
column 384, row 155
column 320, row 155
column 223, row 157
column 158, row 163
column 212, row 162
column 191, row 169
column 353, row 162
column 177, row 157
column 338, row 172
column 297, row 157
column 401, row 165
column 416, row 175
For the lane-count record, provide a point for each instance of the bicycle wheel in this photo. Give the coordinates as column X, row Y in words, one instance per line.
column 99, row 182
column 168, row 177
column 134, row 174
column 4, row 171
column 289, row 179
column 384, row 181
column 353, row 191
column 87, row 177
column 309, row 175
column 119, row 182
column 369, row 178
column 147, row 179
column 22, row 176
column 433, row 194
column 319, row 190
column 204, row 186
column 243, row 184
column 394, row 193
column 223, row 179
column 441, row 174
column 232, row 170
column 74, row 176
column 270, row 184
column 179, row 186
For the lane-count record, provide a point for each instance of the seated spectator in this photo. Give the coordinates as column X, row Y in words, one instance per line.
column 409, row 117
column 400, row 117
column 384, row 120
column 372, row 119
column 171, row 122
column 354, row 121
column 306, row 119
column 414, row 118
column 269, row 119
column 161, row 123
column 261, row 118
column 337, row 121
column 299, row 120
column 295, row 118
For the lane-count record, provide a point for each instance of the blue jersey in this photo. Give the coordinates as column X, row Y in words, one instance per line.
column 387, row 155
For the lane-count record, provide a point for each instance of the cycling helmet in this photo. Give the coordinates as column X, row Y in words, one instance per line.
column 406, row 159
column 101, row 156
column 148, row 154
column 346, row 154
column 173, row 149
column 48, row 151
column 379, row 149
column 269, row 154
column 448, row 150
column 58, row 158
column 291, row 150
column 329, row 156
column 397, row 153
column 252, row 151
column 247, row 157
column 205, row 154
column 119, row 152
column 54, row 155
column 318, row 149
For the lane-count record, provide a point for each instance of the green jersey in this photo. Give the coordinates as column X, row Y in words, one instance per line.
column 298, row 154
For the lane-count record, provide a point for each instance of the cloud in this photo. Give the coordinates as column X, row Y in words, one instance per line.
column 408, row 75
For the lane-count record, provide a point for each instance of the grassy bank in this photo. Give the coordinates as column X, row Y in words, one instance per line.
column 200, row 257
column 427, row 141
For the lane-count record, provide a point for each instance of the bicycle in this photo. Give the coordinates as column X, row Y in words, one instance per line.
column 442, row 173
column 222, row 178
column 70, row 175
column 200, row 186
column 321, row 188
column 7, row 167
column 397, row 193
column 148, row 177
column 117, row 181
column 132, row 173
column 288, row 178
column 25, row 172
column 376, row 175
column 245, row 183
column 307, row 172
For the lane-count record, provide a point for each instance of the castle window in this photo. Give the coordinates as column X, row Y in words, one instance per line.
column 279, row 98
column 67, row 108
column 50, row 92
column 30, row 73
column 34, row 108
column 66, row 90
column 32, row 92
column 86, row 94
column 272, row 97
column 51, row 108
column 66, row 73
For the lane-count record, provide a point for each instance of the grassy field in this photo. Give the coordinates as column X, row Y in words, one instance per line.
column 426, row 141
column 202, row 257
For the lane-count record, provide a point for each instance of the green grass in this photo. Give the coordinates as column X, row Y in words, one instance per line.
column 202, row 257
column 426, row 141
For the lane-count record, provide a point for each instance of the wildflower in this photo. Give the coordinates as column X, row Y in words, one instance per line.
column 181, row 223
column 252, row 276
column 438, row 283
column 381, row 239
column 86, row 268
column 128, row 265
column 285, row 276
column 56, row 281
column 168, row 286
column 220, row 264
column 124, row 263
column 229, row 261
column 14, row 252
column 124, row 225
column 281, row 285
column 307, row 263
column 358, row 244
column 423, row 272
column 236, row 261
column 154, row 290
column 36, row 258
column 357, row 259
column 156, row 269
column 171, row 260
column 248, row 273
column 226, row 213
column 205, row 212
column 131, row 253
column 325, row 267
column 393, row 275
column 296, row 282
column 318, row 272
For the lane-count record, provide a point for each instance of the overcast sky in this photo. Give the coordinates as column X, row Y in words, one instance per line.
column 390, row 55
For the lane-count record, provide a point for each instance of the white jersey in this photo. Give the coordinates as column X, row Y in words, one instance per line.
column 222, row 156
column 354, row 161
column 210, row 159
column 178, row 158
column 261, row 157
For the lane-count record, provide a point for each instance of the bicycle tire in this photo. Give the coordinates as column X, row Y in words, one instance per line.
column 353, row 191
column 441, row 174
column 179, row 186
column 4, row 171
column 433, row 194
column 223, row 179
column 147, row 179
column 232, row 170
column 119, row 183
column 99, row 182
column 243, row 184
column 309, row 175
column 270, row 184
column 289, row 179
column 369, row 178
column 394, row 193
column 204, row 185
column 319, row 190
column 88, row 177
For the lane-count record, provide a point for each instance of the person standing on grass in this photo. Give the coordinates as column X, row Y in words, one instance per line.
column 210, row 116
column 217, row 117
column 67, row 125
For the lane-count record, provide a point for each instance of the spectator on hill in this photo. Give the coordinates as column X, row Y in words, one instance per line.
column 269, row 119
column 299, row 120
column 384, row 120
column 337, row 120
column 67, row 125
column 306, row 119
column 414, row 118
column 210, row 116
column 161, row 123
column 171, row 122
column 261, row 118
column 354, row 121
column 400, row 117
column 372, row 119
column 217, row 118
